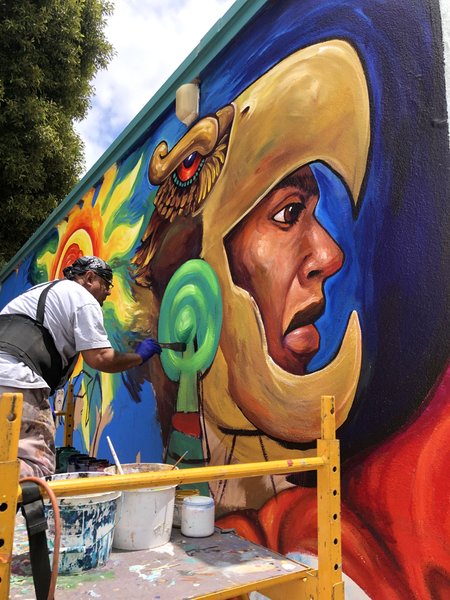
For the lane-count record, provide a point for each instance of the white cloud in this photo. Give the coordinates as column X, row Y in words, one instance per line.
column 151, row 38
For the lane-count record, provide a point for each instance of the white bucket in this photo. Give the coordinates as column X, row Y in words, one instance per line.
column 87, row 527
column 144, row 516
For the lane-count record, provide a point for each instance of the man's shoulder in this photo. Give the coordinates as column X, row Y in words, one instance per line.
column 66, row 285
column 72, row 293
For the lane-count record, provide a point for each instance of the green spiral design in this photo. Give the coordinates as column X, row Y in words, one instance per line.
column 191, row 312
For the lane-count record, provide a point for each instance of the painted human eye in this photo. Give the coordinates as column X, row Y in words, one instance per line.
column 289, row 214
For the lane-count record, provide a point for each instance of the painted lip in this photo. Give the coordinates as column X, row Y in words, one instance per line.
column 306, row 316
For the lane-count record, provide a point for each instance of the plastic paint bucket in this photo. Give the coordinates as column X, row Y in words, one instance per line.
column 87, row 527
column 145, row 516
column 197, row 516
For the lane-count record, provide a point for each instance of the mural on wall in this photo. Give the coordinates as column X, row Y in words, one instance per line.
column 258, row 190
column 102, row 223
column 279, row 256
column 294, row 239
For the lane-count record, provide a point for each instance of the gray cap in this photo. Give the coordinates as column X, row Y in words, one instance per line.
column 89, row 263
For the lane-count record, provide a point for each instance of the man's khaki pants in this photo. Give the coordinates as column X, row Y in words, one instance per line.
column 37, row 432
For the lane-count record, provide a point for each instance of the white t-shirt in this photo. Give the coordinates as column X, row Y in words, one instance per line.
column 73, row 317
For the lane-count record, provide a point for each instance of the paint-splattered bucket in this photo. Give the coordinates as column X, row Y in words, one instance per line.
column 145, row 516
column 87, row 527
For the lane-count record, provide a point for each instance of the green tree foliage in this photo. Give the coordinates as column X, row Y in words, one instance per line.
column 49, row 52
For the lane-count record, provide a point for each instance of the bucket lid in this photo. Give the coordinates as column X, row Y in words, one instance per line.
column 201, row 501
column 181, row 494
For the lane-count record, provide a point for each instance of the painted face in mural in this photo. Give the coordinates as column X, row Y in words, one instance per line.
column 282, row 256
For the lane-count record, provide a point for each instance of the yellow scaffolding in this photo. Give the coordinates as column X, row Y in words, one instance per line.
column 324, row 583
column 68, row 413
column 10, row 417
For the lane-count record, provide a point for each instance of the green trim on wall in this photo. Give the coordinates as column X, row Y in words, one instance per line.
column 226, row 28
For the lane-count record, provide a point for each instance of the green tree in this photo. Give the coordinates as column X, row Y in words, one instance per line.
column 50, row 51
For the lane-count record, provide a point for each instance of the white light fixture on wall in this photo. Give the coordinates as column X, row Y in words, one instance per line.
column 187, row 101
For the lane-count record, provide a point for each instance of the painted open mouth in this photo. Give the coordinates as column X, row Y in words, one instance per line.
column 306, row 317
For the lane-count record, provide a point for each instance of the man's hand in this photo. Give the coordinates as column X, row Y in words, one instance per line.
column 148, row 348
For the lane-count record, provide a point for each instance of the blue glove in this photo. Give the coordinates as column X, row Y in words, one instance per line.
column 147, row 349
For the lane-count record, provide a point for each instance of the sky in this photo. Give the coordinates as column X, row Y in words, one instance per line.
column 151, row 39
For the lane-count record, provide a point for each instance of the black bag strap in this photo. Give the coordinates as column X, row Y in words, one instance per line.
column 41, row 302
column 68, row 370
column 33, row 512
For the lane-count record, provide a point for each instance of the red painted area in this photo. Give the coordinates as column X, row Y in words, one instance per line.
column 72, row 253
column 188, row 423
column 189, row 167
column 384, row 508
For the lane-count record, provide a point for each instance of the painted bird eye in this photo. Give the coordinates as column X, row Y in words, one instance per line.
column 187, row 172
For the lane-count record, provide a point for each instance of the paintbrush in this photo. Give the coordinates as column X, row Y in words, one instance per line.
column 114, row 455
column 176, row 346
column 180, row 459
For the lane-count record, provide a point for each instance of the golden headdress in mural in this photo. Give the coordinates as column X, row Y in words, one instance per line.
column 312, row 106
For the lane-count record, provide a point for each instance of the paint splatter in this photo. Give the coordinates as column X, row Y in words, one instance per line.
column 153, row 575
column 287, row 566
column 165, row 549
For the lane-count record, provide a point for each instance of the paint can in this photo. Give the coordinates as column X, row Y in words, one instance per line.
column 87, row 527
column 197, row 516
column 180, row 495
column 145, row 516
column 74, row 462
column 99, row 464
column 63, row 455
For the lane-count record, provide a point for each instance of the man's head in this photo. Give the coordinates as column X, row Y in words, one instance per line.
column 94, row 274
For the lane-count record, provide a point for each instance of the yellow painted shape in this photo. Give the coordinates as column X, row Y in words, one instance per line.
column 84, row 426
column 120, row 192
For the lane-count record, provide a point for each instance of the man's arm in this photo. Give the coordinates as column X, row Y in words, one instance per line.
column 109, row 360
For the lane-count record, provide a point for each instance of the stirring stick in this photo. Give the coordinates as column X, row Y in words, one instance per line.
column 114, row 455
column 181, row 458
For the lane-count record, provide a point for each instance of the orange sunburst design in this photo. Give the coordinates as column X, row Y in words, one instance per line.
column 92, row 228
column 84, row 232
